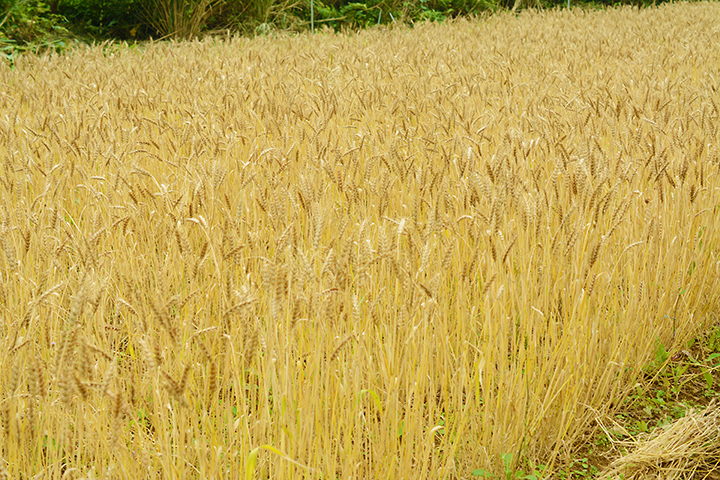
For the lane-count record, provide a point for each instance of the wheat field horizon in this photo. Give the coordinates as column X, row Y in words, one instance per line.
column 403, row 253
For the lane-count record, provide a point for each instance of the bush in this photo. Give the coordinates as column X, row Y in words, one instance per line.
column 106, row 18
column 26, row 21
column 179, row 18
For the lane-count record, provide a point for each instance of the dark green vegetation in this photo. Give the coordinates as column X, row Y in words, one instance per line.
column 56, row 24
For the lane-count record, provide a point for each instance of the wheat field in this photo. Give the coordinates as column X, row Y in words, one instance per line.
column 401, row 253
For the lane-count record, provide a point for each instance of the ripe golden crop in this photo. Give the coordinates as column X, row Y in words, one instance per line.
column 403, row 253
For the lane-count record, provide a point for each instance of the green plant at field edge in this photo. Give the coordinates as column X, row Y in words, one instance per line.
column 509, row 472
column 180, row 19
column 675, row 383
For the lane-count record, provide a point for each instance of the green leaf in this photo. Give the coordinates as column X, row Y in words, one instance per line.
column 375, row 398
column 250, row 464
column 507, row 462
column 252, row 460
column 660, row 353
column 708, row 379
column 482, row 473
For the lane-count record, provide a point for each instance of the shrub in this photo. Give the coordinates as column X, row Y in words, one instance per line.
column 105, row 18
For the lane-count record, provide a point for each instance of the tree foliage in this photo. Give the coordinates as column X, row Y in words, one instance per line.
column 52, row 22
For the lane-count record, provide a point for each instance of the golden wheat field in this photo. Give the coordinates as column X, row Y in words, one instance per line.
column 401, row 253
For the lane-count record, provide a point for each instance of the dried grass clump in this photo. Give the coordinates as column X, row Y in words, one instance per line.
column 686, row 448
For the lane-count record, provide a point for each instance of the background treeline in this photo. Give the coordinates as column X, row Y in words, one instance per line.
column 55, row 23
